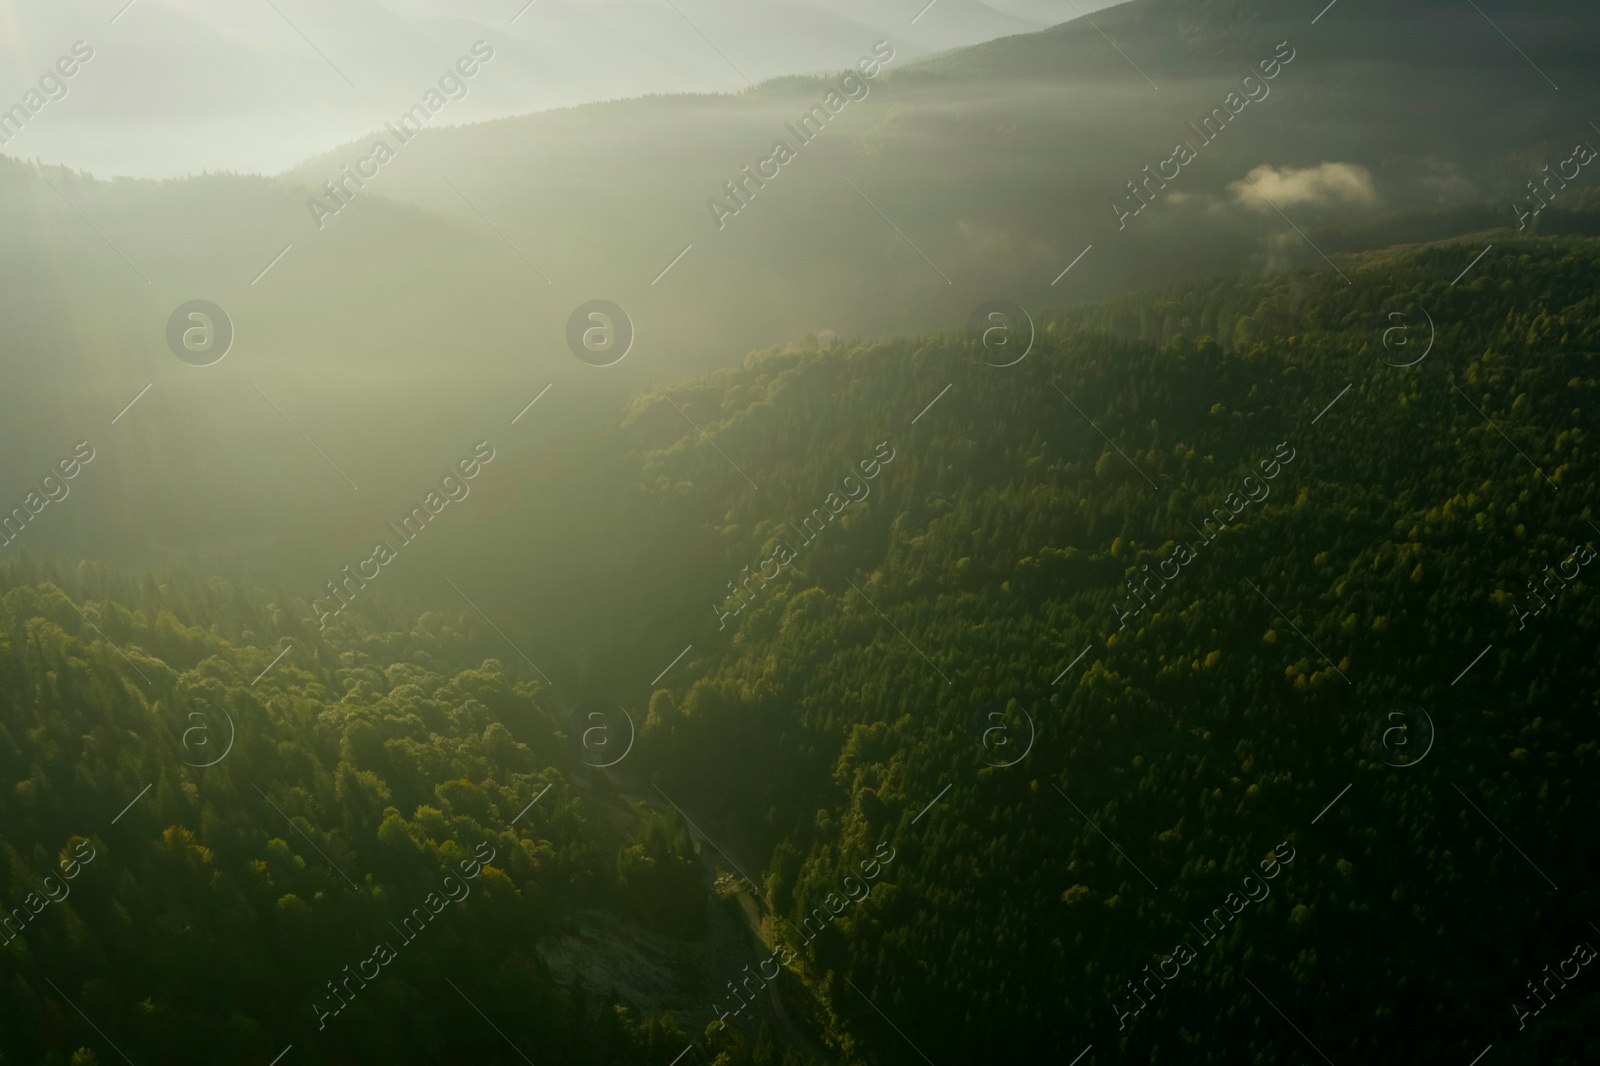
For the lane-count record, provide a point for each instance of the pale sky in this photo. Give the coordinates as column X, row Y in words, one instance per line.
column 180, row 86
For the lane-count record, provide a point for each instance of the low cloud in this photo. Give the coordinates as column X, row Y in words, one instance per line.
column 1324, row 185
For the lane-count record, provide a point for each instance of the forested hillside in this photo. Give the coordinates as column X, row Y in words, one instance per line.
column 1003, row 682
column 1314, row 531
column 205, row 842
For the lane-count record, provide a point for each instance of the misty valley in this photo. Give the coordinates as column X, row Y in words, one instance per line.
column 1157, row 641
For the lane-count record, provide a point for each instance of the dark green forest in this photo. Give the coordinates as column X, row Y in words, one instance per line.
column 1084, row 648
column 1401, row 541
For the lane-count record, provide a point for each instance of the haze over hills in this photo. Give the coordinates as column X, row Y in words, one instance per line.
column 769, row 533
column 1023, row 707
column 432, row 301
column 181, row 86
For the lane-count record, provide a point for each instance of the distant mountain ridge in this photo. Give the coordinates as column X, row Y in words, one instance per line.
column 442, row 291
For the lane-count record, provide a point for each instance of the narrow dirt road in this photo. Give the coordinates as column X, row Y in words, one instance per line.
column 717, row 861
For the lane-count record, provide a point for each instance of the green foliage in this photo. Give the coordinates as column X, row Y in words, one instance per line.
column 826, row 721
column 997, row 546
column 223, row 898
